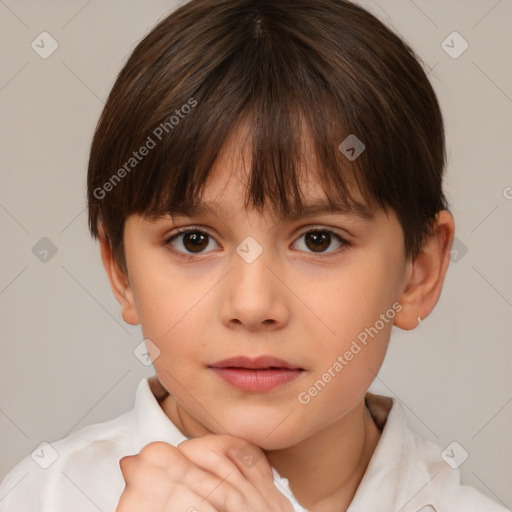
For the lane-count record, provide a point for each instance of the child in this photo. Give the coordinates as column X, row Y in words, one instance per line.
column 266, row 185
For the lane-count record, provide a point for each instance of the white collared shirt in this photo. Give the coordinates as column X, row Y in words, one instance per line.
column 405, row 474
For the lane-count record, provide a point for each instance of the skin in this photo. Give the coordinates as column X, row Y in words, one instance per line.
column 292, row 302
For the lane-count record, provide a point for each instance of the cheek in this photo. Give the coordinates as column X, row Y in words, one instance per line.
column 354, row 298
column 160, row 299
column 173, row 307
column 356, row 308
column 346, row 363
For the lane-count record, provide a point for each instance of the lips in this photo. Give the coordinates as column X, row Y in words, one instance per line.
column 258, row 363
column 257, row 375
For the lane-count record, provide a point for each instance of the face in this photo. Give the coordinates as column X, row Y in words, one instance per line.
column 319, row 292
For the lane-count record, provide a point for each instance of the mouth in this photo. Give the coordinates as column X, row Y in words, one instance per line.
column 258, row 363
column 256, row 375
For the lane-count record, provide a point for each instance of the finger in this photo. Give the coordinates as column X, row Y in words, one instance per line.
column 149, row 488
column 255, row 467
column 249, row 460
column 243, row 465
column 161, row 470
column 210, row 453
column 185, row 501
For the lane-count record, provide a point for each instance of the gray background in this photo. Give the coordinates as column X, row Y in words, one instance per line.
column 67, row 357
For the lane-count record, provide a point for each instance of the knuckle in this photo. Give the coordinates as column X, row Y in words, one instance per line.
column 125, row 463
column 158, row 453
column 142, row 476
column 231, row 499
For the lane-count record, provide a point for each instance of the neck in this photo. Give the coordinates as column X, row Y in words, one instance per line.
column 325, row 469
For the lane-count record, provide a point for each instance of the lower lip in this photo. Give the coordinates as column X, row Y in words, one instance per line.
column 256, row 380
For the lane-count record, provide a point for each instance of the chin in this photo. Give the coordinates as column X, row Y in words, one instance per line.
column 264, row 438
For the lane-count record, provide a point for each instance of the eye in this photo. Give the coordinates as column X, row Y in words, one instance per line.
column 318, row 240
column 195, row 241
column 190, row 241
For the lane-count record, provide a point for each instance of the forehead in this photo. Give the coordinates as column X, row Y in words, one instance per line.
column 229, row 179
column 224, row 193
column 226, row 186
column 227, row 200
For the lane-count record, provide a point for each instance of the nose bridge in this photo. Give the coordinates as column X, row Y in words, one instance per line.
column 251, row 272
column 254, row 297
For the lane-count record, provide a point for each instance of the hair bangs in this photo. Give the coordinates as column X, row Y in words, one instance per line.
column 251, row 92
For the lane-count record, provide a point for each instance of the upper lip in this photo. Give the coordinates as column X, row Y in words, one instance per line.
column 258, row 363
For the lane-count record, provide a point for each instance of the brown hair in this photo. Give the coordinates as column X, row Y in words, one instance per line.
column 328, row 65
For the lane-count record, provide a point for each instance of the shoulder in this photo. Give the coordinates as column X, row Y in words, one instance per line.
column 82, row 469
column 412, row 474
column 441, row 467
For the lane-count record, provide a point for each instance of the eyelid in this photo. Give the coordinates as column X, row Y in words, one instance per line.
column 303, row 230
column 343, row 239
column 184, row 230
column 323, row 227
column 167, row 239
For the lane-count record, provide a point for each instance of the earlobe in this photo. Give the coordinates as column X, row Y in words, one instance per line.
column 425, row 275
column 119, row 282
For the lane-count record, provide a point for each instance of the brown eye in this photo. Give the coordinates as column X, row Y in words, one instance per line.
column 320, row 241
column 191, row 242
column 195, row 242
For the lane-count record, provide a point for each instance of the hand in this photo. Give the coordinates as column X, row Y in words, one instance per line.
column 204, row 474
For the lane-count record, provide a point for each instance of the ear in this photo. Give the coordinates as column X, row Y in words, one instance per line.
column 425, row 275
column 119, row 282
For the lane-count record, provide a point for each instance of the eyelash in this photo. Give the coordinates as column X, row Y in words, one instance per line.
column 345, row 244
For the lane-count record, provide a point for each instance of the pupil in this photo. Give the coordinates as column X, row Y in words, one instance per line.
column 318, row 239
column 195, row 242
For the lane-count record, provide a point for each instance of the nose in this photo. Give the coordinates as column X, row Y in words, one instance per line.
column 254, row 298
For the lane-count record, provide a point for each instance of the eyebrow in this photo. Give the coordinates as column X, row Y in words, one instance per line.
column 314, row 207
column 319, row 207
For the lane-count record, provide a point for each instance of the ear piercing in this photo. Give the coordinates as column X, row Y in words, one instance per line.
column 419, row 321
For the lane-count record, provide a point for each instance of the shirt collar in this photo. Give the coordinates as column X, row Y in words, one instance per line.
column 151, row 422
column 396, row 477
